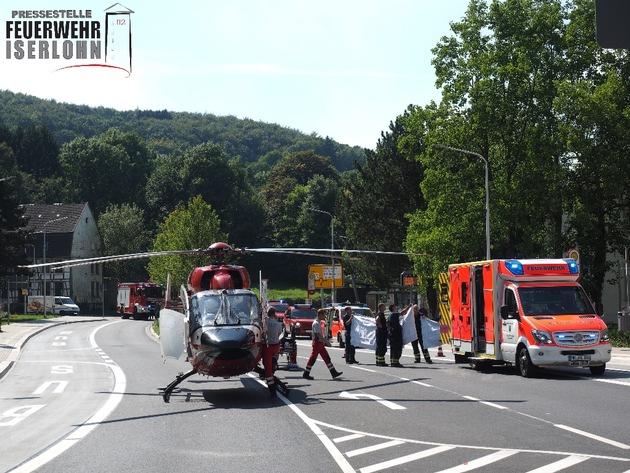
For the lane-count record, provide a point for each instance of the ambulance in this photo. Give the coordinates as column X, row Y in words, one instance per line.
column 529, row 313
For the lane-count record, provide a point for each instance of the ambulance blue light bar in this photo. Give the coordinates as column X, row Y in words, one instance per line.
column 574, row 267
column 515, row 267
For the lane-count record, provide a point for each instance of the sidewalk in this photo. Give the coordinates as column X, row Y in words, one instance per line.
column 16, row 334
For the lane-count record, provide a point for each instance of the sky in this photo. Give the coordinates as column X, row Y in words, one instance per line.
column 338, row 68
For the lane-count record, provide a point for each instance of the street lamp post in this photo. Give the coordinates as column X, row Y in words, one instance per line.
column 485, row 162
column 332, row 247
column 45, row 267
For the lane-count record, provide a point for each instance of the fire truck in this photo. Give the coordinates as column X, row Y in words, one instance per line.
column 140, row 300
column 527, row 313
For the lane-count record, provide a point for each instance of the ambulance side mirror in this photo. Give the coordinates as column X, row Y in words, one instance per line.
column 505, row 315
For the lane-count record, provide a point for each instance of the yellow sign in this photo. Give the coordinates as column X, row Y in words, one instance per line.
column 25, row 292
column 320, row 276
column 574, row 254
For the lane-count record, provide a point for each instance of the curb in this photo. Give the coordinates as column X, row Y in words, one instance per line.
column 6, row 366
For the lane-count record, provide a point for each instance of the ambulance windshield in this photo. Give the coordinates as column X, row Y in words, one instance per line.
column 556, row 300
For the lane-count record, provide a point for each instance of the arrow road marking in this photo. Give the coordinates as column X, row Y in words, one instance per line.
column 391, row 405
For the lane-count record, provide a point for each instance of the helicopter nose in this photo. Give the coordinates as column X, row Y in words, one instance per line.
column 225, row 339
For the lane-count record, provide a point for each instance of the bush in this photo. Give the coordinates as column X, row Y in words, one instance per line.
column 619, row 339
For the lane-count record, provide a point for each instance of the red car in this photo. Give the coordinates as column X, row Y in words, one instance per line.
column 300, row 317
column 281, row 308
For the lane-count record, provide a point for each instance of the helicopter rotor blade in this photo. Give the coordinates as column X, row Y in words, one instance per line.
column 220, row 252
column 113, row 258
column 295, row 251
column 327, row 252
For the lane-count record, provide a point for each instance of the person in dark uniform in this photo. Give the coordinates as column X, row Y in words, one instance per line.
column 395, row 337
column 347, row 325
column 418, row 315
column 381, row 335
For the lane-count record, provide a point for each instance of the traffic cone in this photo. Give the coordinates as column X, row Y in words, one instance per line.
column 440, row 352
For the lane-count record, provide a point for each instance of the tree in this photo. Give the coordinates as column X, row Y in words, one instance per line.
column 207, row 171
column 123, row 230
column 121, row 162
column 83, row 160
column 375, row 203
column 594, row 109
column 12, row 228
column 36, row 151
column 194, row 226
column 498, row 74
column 295, row 169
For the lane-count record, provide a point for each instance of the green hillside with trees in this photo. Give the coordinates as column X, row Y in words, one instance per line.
column 167, row 132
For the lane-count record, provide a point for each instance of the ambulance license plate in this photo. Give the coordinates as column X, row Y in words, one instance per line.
column 579, row 357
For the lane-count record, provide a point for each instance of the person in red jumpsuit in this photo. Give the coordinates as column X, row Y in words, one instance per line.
column 271, row 347
column 319, row 348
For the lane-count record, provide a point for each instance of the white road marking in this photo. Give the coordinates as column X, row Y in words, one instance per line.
column 479, row 462
column 487, row 403
column 120, row 383
column 613, row 381
column 61, row 386
column 560, row 464
column 373, row 448
column 420, row 383
column 341, row 461
column 357, row 396
column 498, row 406
column 346, row 438
column 614, row 443
column 405, row 459
column 18, row 414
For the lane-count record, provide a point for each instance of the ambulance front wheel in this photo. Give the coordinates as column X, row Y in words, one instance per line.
column 598, row 370
column 524, row 363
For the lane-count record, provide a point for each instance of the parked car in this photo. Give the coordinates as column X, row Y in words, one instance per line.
column 334, row 321
column 281, row 308
column 300, row 317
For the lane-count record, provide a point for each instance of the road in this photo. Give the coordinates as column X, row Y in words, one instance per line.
column 100, row 410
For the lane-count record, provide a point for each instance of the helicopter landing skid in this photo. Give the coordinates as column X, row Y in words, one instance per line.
column 281, row 385
column 166, row 392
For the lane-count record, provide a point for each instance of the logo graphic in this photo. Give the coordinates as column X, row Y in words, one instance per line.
column 71, row 38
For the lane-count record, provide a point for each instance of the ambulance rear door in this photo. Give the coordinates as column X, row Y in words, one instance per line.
column 460, row 309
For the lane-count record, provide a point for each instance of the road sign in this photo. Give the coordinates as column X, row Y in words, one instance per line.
column 410, row 280
column 574, row 254
column 321, row 276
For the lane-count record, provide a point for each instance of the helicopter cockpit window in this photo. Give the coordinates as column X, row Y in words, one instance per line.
column 224, row 309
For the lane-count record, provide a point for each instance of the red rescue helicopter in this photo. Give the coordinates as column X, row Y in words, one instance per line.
column 221, row 328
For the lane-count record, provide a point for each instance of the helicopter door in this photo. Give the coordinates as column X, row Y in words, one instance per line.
column 174, row 329
column 172, row 333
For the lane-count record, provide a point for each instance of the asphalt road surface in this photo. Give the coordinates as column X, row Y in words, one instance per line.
column 84, row 397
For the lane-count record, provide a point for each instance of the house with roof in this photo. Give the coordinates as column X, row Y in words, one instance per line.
column 62, row 232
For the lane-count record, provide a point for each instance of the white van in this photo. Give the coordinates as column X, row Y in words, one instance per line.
column 58, row 305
